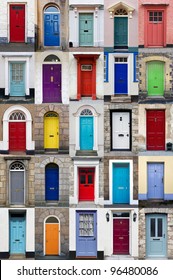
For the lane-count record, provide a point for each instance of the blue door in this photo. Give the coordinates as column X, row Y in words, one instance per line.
column 86, row 234
column 17, row 79
column 52, row 182
column 51, row 27
column 155, row 180
column 121, row 74
column 17, row 234
column 156, row 235
column 121, row 183
column 86, row 133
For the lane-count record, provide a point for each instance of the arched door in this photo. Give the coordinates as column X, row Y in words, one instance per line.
column 17, row 182
column 52, row 234
column 86, row 130
column 51, row 26
column 52, row 182
column 17, row 132
column 51, row 131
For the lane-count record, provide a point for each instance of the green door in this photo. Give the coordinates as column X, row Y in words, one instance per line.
column 86, row 29
column 120, row 32
column 155, row 78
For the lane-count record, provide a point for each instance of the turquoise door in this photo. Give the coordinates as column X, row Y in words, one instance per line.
column 86, row 133
column 120, row 32
column 17, row 234
column 121, row 183
column 17, row 79
column 86, row 29
column 156, row 229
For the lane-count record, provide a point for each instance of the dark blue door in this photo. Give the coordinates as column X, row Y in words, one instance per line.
column 86, row 133
column 52, row 182
column 51, row 27
column 17, row 234
column 121, row 183
column 155, row 181
column 86, row 234
column 121, row 74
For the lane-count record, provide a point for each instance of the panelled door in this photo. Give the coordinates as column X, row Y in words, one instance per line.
column 121, row 130
column 17, row 186
column 52, row 182
column 51, row 83
column 155, row 173
column 120, row 236
column 17, row 79
column 121, row 183
column 51, row 131
column 155, row 78
column 17, row 23
column 86, row 234
column 86, row 79
column 156, row 239
column 51, row 26
column 86, row 184
column 17, row 136
column 17, row 234
column 155, row 130
column 155, row 29
column 120, row 32
column 121, row 75
column 86, row 133
column 86, row 29
column 52, row 239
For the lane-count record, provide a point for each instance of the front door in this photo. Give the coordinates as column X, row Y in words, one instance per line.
column 155, row 130
column 155, row 78
column 120, row 236
column 17, row 234
column 52, row 239
column 121, row 130
column 17, row 79
column 51, row 27
column 86, row 79
column 121, row 183
column 51, row 83
column 120, row 78
column 155, row 29
column 86, row 184
column 17, row 23
column 17, row 187
column 51, row 131
column 155, row 180
column 156, row 229
column 120, row 32
column 85, row 29
column 86, row 234
column 52, row 182
column 17, row 136
column 86, row 133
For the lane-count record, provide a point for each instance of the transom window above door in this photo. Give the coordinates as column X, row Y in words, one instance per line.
column 120, row 59
column 17, row 116
column 121, row 12
column 86, row 112
column 155, row 16
column 52, row 9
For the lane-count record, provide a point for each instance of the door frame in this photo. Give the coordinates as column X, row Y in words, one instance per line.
column 24, row 179
column 44, row 233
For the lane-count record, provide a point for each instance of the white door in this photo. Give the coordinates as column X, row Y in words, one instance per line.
column 121, row 130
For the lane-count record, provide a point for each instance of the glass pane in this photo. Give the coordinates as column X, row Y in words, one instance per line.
column 90, row 179
column 82, row 179
column 160, row 228
column 55, row 26
column 152, row 229
column 51, row 10
column 86, row 225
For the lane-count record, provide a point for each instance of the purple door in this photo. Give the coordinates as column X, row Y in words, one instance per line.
column 155, row 181
column 51, row 83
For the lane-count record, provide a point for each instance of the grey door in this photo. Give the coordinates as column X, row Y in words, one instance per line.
column 17, row 187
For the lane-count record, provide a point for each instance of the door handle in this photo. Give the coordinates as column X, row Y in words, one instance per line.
column 127, row 135
column 17, row 239
column 121, row 135
column 85, row 30
column 51, row 135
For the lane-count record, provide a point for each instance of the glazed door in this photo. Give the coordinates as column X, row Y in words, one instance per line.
column 51, row 131
column 17, row 23
column 52, row 182
column 86, row 133
column 156, row 229
column 86, row 184
column 155, row 29
column 155, row 130
column 121, row 183
column 86, row 80
column 17, row 234
column 51, row 83
column 52, row 239
column 17, row 136
column 121, row 236
column 120, row 79
column 17, row 187
column 17, row 79
column 51, row 29
column 155, row 78
column 86, row 29
column 155, row 173
column 120, row 32
column 86, row 234
column 121, row 130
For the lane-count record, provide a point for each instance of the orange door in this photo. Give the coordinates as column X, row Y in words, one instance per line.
column 52, row 239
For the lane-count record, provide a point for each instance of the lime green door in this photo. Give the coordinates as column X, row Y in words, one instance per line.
column 155, row 78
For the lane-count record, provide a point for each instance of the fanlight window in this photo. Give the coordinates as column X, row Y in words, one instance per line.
column 120, row 12
column 52, row 9
column 17, row 116
column 51, row 115
column 52, row 58
column 52, row 220
column 17, row 166
column 86, row 112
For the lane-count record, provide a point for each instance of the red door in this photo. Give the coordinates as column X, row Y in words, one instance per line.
column 121, row 236
column 155, row 28
column 86, row 78
column 86, row 184
column 155, row 130
column 17, row 23
column 17, row 136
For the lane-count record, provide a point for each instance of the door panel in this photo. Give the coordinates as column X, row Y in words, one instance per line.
column 17, row 79
column 17, row 187
column 52, row 182
column 86, row 184
column 51, row 133
column 17, row 23
column 86, row 133
column 86, row 84
column 120, row 236
column 17, row 136
column 155, row 28
column 121, row 74
column 155, row 181
column 52, row 239
column 121, row 183
column 86, row 29
column 120, row 31
column 17, row 235
column 156, row 230
column 86, row 234
column 155, row 130
column 51, row 30
column 155, row 78
column 51, row 83
column 121, row 130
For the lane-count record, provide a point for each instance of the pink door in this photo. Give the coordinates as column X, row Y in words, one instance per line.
column 120, row 236
column 155, row 29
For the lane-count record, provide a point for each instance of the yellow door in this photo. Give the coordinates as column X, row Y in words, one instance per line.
column 52, row 239
column 51, row 131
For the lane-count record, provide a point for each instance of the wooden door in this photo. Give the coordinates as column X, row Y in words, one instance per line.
column 17, row 23
column 17, row 136
column 17, row 234
column 86, row 184
column 86, row 133
column 121, row 78
column 86, row 29
column 155, row 130
column 155, row 172
column 52, row 182
column 155, row 78
column 17, row 187
column 120, row 32
column 51, row 26
column 121, row 183
column 17, row 79
column 86, row 79
column 51, row 83
column 121, row 236
column 52, row 239
column 121, row 130
column 51, row 131
column 155, row 28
